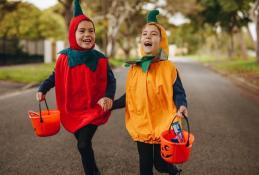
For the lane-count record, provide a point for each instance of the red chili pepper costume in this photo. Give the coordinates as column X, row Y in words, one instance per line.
column 78, row 88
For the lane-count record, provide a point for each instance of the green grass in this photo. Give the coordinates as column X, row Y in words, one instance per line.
column 33, row 73
column 36, row 73
column 234, row 65
column 238, row 66
column 200, row 58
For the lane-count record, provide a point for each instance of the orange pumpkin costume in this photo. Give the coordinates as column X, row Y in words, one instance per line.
column 149, row 105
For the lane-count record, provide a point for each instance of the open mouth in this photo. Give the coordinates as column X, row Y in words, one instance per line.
column 147, row 44
column 87, row 41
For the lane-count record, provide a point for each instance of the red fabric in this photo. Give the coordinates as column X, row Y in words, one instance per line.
column 77, row 91
column 72, row 30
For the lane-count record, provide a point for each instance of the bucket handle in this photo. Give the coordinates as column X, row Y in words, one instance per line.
column 188, row 126
column 41, row 120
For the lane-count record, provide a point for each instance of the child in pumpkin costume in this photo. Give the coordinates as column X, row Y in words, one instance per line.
column 154, row 95
column 84, row 86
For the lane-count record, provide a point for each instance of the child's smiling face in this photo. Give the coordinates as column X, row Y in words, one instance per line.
column 150, row 39
column 85, row 35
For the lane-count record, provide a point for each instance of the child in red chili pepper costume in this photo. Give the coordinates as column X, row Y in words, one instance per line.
column 84, row 86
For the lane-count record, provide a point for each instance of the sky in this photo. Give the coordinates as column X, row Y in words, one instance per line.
column 42, row 4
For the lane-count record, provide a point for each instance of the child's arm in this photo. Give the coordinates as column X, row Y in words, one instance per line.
column 119, row 103
column 45, row 87
column 111, row 84
column 180, row 97
column 107, row 101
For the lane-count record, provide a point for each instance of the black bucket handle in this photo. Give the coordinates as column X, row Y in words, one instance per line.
column 41, row 120
column 188, row 126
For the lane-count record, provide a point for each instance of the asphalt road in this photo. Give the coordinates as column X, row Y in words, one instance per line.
column 224, row 119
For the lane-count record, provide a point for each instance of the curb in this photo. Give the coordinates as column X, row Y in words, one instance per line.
column 18, row 90
column 14, row 93
column 30, row 85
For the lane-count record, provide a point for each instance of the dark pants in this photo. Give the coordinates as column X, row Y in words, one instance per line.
column 149, row 155
column 84, row 143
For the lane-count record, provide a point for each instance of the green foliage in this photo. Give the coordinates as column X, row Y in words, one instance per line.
column 28, row 22
column 20, row 23
column 116, row 62
column 53, row 27
column 100, row 31
column 186, row 36
column 230, row 15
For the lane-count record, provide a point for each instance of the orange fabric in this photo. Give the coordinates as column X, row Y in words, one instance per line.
column 149, row 101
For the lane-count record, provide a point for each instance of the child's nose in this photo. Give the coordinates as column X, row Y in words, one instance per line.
column 87, row 33
column 148, row 35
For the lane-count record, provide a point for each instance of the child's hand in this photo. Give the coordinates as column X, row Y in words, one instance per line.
column 182, row 110
column 40, row 96
column 105, row 103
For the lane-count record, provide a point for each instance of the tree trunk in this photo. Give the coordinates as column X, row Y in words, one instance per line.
column 255, row 16
column 67, row 12
column 242, row 45
column 251, row 37
column 118, row 13
column 231, row 46
column 257, row 36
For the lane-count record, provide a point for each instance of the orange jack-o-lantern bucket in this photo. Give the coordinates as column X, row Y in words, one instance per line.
column 176, row 153
column 45, row 123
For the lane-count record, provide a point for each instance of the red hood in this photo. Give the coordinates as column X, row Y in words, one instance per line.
column 72, row 31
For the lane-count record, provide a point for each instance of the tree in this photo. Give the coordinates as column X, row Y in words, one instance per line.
column 110, row 13
column 129, row 31
column 67, row 11
column 117, row 13
column 21, row 23
column 6, row 7
column 229, row 15
column 52, row 25
column 255, row 13
column 28, row 22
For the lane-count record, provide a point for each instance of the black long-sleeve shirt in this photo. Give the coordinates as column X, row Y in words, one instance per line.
column 110, row 91
column 179, row 96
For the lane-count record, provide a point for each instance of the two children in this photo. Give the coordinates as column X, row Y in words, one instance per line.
column 154, row 95
column 84, row 86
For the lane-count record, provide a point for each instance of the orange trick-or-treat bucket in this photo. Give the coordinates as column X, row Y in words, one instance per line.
column 45, row 123
column 173, row 152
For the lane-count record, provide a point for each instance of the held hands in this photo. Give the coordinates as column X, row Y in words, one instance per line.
column 182, row 110
column 105, row 103
column 40, row 96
